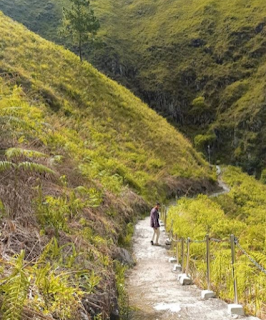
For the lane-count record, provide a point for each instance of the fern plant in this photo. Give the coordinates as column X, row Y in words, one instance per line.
column 58, row 294
column 260, row 258
column 15, row 290
column 6, row 165
column 16, row 166
column 16, row 153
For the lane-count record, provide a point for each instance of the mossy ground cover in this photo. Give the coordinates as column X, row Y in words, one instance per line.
column 80, row 158
column 240, row 212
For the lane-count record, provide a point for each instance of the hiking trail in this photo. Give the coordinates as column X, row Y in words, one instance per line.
column 152, row 285
column 154, row 290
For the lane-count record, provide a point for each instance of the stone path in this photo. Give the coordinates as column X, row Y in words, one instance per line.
column 155, row 293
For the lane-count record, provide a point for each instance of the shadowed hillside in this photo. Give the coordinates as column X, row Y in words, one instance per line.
column 80, row 158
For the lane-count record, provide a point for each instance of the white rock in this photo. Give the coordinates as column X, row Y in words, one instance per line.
column 207, row 294
column 236, row 309
column 177, row 267
column 185, row 280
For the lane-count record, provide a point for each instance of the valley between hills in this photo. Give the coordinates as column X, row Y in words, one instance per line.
column 85, row 153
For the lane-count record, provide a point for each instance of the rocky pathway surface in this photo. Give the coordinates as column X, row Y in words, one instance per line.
column 155, row 293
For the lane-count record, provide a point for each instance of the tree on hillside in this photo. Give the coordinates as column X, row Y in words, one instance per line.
column 80, row 23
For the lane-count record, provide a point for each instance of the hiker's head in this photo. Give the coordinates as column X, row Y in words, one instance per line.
column 158, row 205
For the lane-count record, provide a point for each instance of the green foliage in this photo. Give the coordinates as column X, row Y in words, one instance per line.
column 53, row 212
column 199, row 106
column 202, row 141
column 122, row 292
column 90, row 282
column 263, row 176
column 80, row 22
column 108, row 133
column 26, row 166
column 15, row 288
column 6, row 165
column 126, row 236
column 53, row 285
column 220, row 56
column 198, row 217
column 35, row 167
column 57, row 296
column 93, row 196
column 2, row 209
column 15, row 153
column 58, row 291
column 240, row 212
column 82, row 151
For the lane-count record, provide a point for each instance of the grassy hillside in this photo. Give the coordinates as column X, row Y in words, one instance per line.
column 80, row 158
column 178, row 51
column 173, row 52
column 240, row 212
column 41, row 17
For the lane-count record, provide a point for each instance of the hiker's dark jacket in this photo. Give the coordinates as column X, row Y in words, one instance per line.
column 155, row 218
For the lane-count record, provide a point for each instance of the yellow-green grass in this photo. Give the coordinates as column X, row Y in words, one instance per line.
column 150, row 46
column 240, row 212
column 102, row 125
column 80, row 157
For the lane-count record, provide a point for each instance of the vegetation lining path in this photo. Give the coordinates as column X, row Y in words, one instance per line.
column 154, row 290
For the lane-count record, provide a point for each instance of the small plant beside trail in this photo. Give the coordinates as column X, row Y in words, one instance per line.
column 123, row 300
column 43, row 286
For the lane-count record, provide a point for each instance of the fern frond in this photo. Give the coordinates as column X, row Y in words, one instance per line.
column 12, row 153
column 6, row 165
column 7, row 119
column 82, row 190
column 13, row 109
column 260, row 258
column 15, row 290
column 35, row 167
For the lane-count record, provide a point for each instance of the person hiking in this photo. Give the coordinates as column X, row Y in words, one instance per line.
column 155, row 224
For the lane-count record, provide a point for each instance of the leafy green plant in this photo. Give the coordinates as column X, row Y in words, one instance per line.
column 15, row 154
column 57, row 295
column 53, row 212
column 17, row 166
column 15, row 288
column 240, row 212
column 122, row 292
column 80, row 22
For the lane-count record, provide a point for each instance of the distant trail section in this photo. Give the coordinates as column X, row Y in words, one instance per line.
column 224, row 187
column 153, row 288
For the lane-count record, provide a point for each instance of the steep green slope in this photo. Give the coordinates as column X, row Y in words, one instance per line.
column 39, row 16
column 80, row 158
column 178, row 51
column 172, row 52
column 111, row 119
